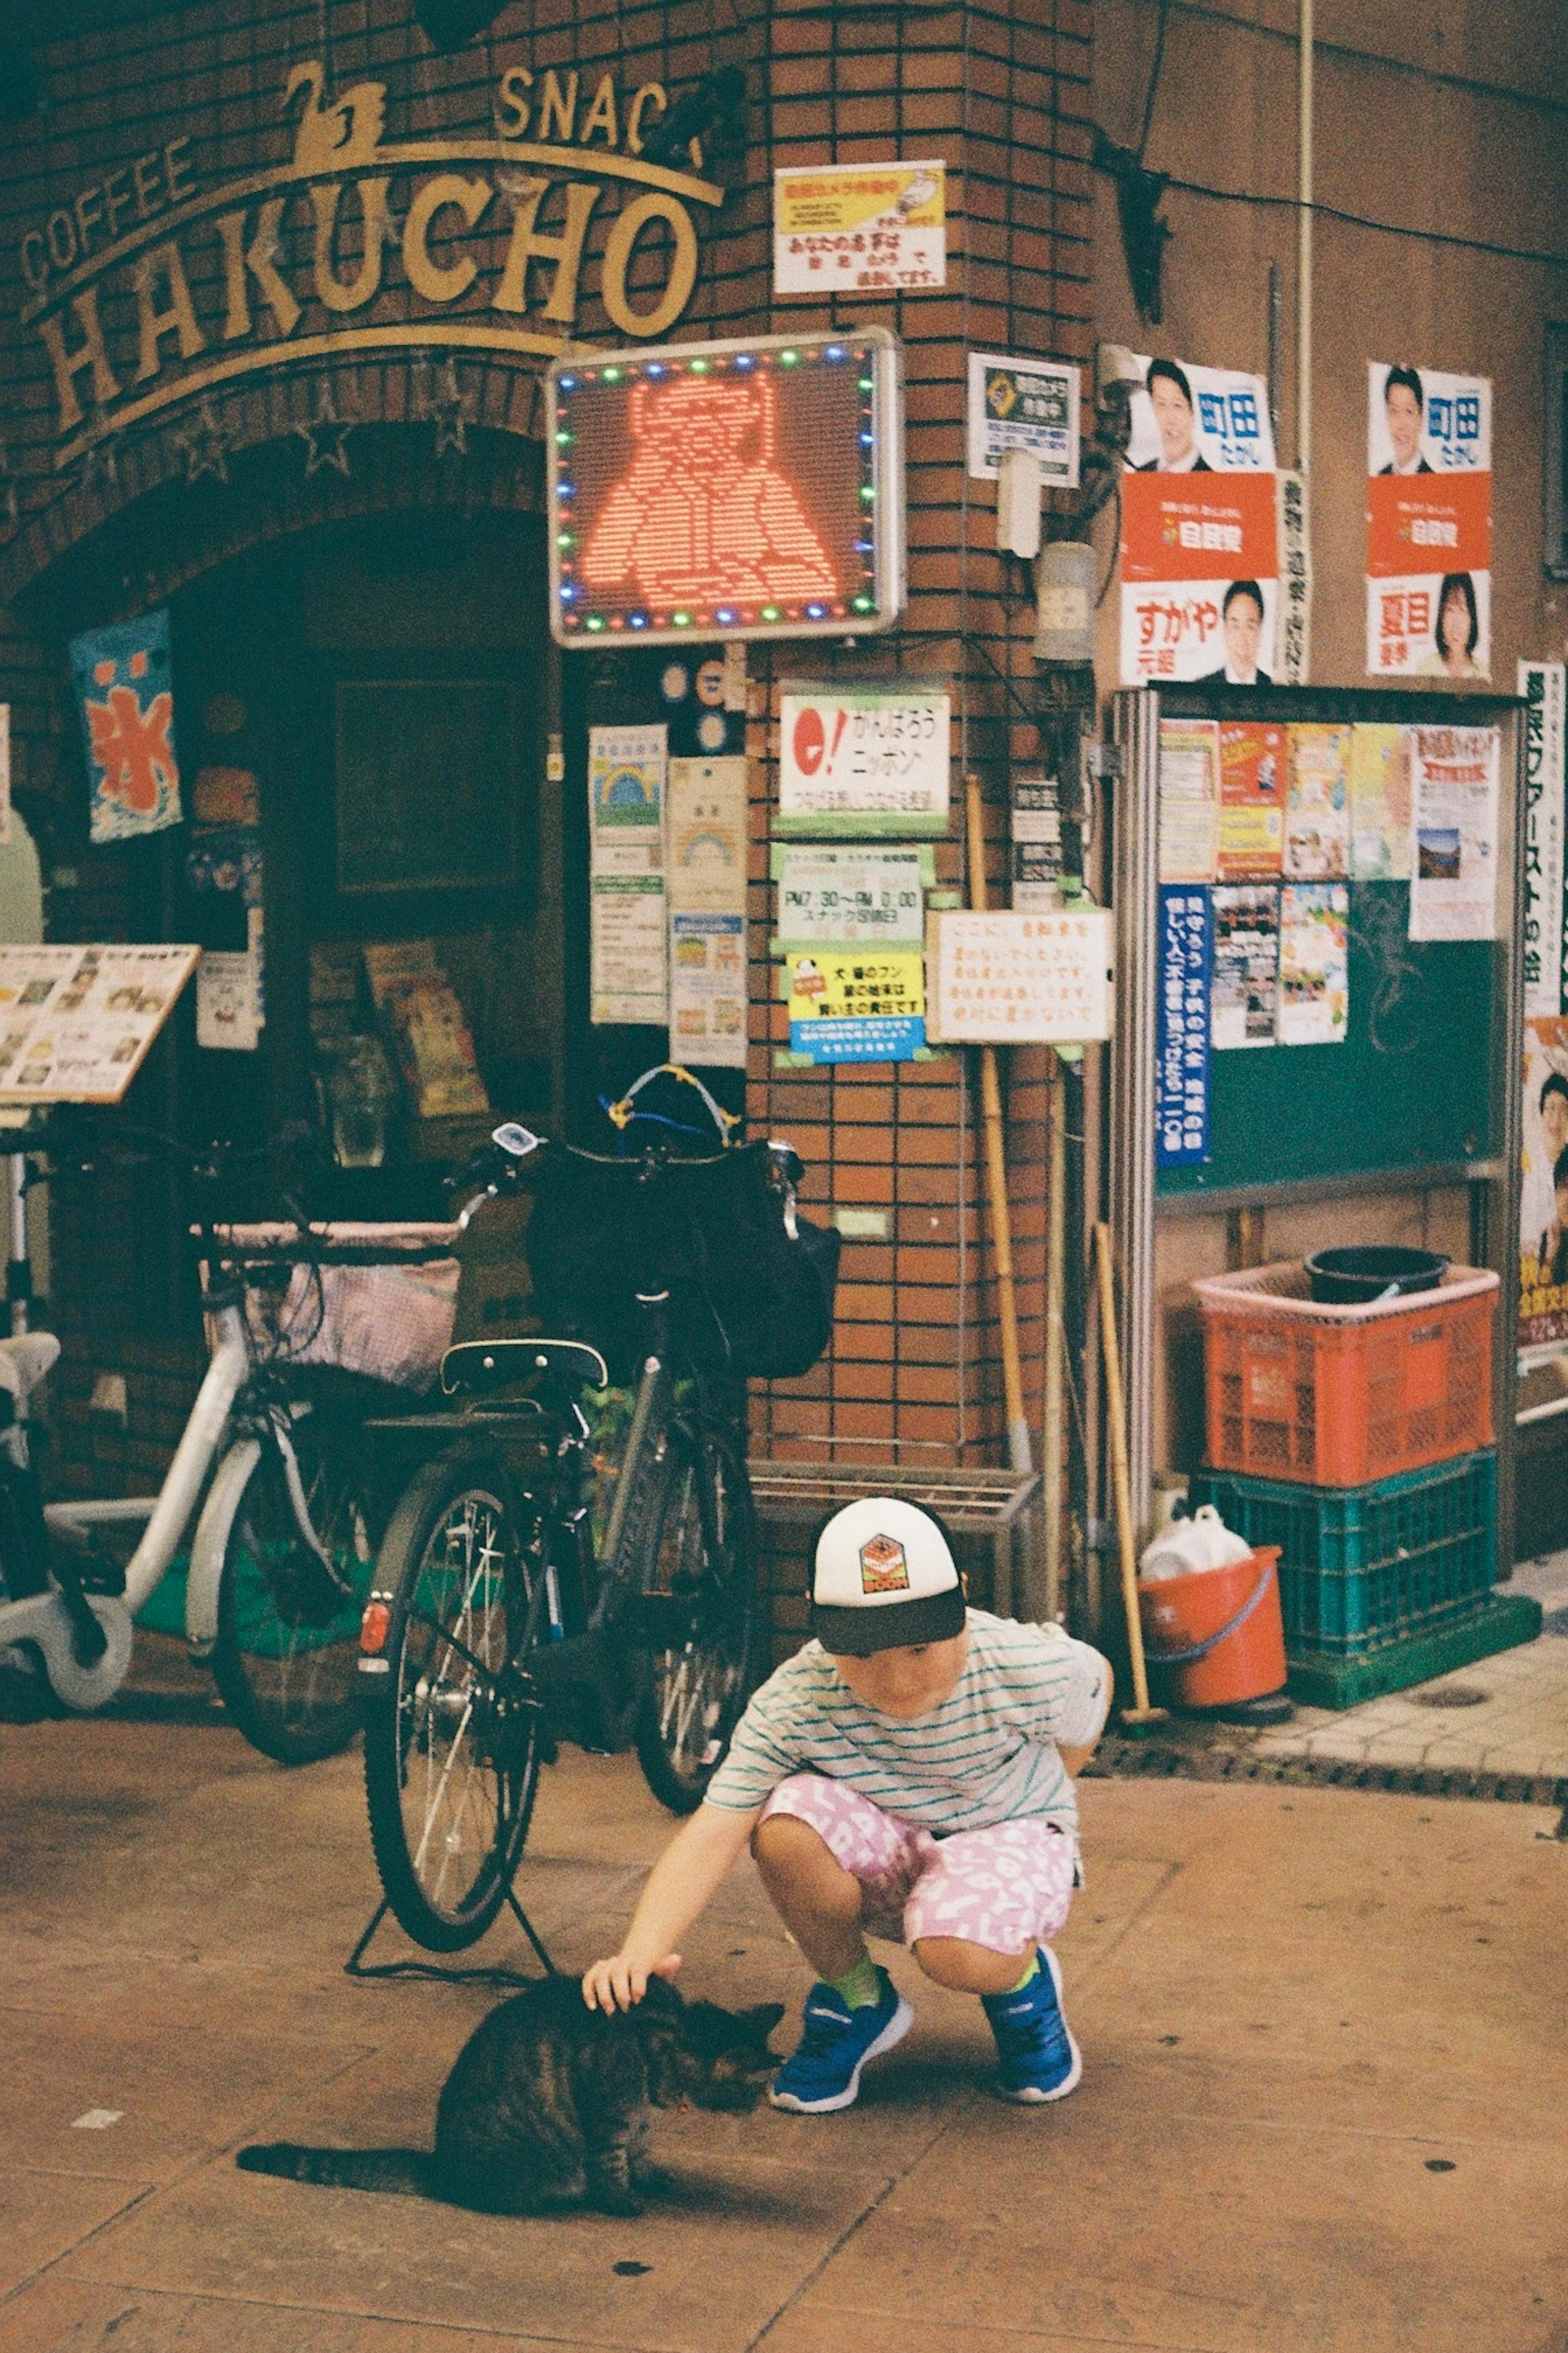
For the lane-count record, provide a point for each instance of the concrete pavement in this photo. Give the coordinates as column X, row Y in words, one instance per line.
column 1324, row 2107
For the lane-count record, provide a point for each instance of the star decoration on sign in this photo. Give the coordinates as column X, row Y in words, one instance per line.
column 325, row 437
column 204, row 443
column 451, row 408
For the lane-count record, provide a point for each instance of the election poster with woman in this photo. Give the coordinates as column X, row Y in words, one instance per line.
column 1428, row 523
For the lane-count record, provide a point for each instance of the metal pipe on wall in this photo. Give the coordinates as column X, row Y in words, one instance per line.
column 1304, row 251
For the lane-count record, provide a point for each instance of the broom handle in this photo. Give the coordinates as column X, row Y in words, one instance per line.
column 996, row 1177
column 1118, row 1416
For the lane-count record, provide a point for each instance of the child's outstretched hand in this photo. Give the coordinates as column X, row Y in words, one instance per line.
column 622, row 1980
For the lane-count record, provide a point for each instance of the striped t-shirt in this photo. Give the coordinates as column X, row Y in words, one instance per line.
column 988, row 1754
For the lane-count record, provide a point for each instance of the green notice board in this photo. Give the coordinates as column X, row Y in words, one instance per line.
column 1410, row 1087
column 1415, row 1084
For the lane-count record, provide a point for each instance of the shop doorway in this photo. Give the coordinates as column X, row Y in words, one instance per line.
column 363, row 714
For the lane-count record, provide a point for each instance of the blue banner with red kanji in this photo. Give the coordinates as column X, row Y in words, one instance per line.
column 125, row 685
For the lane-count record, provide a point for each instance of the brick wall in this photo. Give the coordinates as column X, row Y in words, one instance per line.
column 1001, row 91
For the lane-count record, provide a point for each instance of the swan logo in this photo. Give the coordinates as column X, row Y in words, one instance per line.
column 150, row 289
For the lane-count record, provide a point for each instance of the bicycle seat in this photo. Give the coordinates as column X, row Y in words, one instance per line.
column 25, row 1358
column 475, row 1368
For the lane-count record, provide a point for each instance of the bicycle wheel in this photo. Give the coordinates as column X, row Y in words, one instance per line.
column 701, row 1572
column 451, row 1748
column 287, row 1621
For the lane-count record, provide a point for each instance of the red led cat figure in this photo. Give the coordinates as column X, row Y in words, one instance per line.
column 704, row 510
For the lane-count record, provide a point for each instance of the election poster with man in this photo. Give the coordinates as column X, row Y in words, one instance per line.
column 1200, row 562
column 1428, row 523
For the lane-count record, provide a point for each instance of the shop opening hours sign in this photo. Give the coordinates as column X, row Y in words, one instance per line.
column 743, row 490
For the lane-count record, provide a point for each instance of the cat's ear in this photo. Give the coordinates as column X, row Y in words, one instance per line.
column 764, row 2016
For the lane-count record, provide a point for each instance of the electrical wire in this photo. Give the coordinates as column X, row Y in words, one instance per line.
column 1364, row 220
column 1155, row 77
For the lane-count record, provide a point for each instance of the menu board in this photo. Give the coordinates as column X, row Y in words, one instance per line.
column 76, row 1022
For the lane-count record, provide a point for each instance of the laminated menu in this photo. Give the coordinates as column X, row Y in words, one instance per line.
column 76, row 1022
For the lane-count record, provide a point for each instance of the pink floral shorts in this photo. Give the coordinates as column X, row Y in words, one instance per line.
column 998, row 1887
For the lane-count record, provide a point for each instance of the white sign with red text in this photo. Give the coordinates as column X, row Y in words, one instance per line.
column 863, row 760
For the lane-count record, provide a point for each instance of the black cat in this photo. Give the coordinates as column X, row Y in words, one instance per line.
column 547, row 2104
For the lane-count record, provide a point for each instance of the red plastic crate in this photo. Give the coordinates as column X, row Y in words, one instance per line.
column 1338, row 1395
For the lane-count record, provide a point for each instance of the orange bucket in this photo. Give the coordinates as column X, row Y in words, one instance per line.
column 1218, row 1632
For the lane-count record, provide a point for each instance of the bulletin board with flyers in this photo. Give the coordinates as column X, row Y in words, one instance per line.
column 1333, row 879
column 1347, row 1022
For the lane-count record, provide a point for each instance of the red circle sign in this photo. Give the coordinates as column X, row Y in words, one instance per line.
column 810, row 741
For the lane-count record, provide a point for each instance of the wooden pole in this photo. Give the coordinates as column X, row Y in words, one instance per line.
column 996, row 1175
column 1140, row 1712
column 1055, row 1338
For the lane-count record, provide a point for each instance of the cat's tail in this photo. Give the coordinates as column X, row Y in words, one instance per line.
column 402, row 2172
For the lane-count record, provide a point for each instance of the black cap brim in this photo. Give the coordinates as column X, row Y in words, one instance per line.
column 890, row 1625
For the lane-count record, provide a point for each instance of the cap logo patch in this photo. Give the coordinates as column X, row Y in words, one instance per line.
column 883, row 1568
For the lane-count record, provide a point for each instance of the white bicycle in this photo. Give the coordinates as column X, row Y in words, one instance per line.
column 281, row 1559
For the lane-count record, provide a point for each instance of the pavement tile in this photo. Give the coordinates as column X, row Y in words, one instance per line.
column 57, row 2313
column 1120, row 2218
column 179, row 2097
column 828, row 2328
column 42, row 2214
column 734, row 2242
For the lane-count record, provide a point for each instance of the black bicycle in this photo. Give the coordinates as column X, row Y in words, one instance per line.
column 541, row 1580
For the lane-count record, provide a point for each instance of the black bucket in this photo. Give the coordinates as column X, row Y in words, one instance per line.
column 1353, row 1277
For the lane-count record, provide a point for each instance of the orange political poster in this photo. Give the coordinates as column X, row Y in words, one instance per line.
column 1252, row 786
column 1428, row 523
column 1194, row 548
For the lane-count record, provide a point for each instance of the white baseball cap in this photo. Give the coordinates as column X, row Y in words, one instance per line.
column 883, row 1577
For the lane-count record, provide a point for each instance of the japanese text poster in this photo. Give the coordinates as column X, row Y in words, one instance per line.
column 850, row 898
column 1200, row 530
column 857, row 1005
column 125, row 688
column 1005, row 978
column 860, row 228
column 1246, row 993
column 1380, row 802
column 628, row 968
column 1428, row 523
column 863, row 760
column 1189, row 799
column 1541, row 686
column 1314, row 964
column 1252, row 787
column 705, row 888
column 1454, row 878
column 1317, row 805
column 1181, row 1028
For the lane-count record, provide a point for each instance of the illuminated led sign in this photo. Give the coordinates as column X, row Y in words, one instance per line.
column 743, row 490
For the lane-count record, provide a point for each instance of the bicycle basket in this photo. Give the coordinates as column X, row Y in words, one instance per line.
column 379, row 1299
column 747, row 1297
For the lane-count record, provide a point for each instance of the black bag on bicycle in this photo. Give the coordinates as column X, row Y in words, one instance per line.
column 749, row 1297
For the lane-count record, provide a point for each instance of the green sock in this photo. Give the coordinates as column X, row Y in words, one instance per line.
column 859, row 1986
column 1028, row 1973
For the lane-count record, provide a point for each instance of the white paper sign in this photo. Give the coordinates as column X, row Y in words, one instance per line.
column 850, row 898
column 863, row 760
column 705, row 837
column 860, row 228
column 1454, row 864
column 1022, row 405
column 628, row 948
column 1013, row 979
column 227, row 1005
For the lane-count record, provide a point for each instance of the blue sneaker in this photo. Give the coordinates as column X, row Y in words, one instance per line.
column 836, row 2042
column 1039, row 2060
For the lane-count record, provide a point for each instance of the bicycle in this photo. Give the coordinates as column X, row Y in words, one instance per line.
column 283, row 1549
column 502, row 1619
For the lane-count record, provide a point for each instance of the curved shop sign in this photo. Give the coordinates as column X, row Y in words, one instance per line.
column 146, row 289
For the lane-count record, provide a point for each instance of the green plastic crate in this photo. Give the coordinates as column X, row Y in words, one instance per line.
column 1364, row 1566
